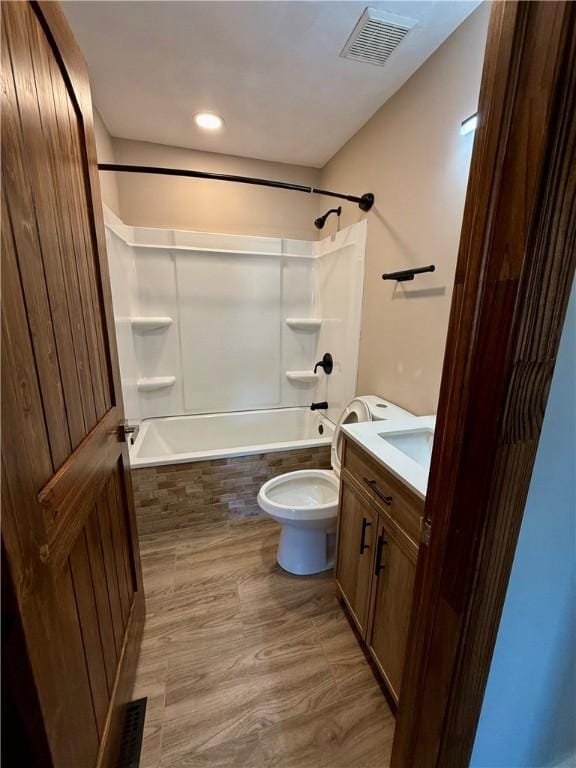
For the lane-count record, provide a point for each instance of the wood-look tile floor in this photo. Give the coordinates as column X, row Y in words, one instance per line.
column 247, row 666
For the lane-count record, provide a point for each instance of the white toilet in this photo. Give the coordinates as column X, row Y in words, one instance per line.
column 305, row 503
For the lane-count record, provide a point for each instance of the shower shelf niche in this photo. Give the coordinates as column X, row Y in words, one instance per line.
column 304, row 323
column 302, row 377
column 150, row 323
column 155, row 383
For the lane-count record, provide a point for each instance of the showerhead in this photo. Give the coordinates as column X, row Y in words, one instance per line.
column 321, row 220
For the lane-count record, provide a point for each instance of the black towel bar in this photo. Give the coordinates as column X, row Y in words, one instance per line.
column 407, row 274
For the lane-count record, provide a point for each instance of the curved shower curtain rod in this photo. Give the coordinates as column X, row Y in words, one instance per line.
column 365, row 202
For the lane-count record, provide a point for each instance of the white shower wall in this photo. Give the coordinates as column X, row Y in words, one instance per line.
column 338, row 284
column 124, row 285
column 228, row 347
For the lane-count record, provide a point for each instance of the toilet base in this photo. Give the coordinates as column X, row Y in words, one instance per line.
column 304, row 551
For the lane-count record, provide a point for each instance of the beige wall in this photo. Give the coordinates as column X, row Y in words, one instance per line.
column 213, row 206
column 412, row 157
column 105, row 153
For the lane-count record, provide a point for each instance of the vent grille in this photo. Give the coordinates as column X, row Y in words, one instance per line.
column 376, row 36
column 132, row 733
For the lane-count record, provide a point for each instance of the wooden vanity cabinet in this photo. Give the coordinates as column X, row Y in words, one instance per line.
column 387, row 633
column 356, row 550
column 378, row 528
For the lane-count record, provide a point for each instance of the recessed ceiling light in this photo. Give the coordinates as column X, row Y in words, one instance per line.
column 208, row 121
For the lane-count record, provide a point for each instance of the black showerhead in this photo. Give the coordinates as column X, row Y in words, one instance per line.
column 321, row 220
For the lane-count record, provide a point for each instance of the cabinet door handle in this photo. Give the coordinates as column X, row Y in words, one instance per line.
column 378, row 567
column 363, row 546
column 373, row 485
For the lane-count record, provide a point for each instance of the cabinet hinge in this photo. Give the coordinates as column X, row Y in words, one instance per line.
column 425, row 532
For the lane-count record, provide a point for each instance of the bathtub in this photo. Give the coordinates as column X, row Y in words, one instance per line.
column 184, row 439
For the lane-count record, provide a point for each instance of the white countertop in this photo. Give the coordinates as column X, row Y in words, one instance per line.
column 369, row 434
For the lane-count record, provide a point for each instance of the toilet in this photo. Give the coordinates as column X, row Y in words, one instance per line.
column 305, row 503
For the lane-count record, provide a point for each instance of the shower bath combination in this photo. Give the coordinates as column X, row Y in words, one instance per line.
column 286, row 319
column 181, row 329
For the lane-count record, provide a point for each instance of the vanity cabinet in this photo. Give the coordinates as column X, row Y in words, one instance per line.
column 379, row 522
column 356, row 548
column 394, row 572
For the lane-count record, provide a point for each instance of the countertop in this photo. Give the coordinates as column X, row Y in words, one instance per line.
column 368, row 435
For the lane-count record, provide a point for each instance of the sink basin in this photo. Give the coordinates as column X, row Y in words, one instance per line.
column 416, row 444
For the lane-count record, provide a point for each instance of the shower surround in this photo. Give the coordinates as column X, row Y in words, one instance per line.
column 230, row 324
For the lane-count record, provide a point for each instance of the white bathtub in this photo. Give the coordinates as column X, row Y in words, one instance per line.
column 180, row 439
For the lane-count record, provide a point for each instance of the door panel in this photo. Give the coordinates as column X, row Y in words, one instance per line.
column 392, row 602
column 104, row 525
column 89, row 629
column 43, row 103
column 356, row 536
column 68, row 525
column 95, row 559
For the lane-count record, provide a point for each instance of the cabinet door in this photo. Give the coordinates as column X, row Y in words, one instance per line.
column 394, row 572
column 356, row 538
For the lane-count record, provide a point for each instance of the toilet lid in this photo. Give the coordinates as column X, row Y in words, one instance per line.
column 356, row 411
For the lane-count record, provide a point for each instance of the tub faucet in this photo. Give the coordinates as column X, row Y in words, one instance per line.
column 319, row 406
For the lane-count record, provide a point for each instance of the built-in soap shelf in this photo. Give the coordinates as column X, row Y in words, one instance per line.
column 302, row 377
column 150, row 323
column 304, row 323
column 154, row 383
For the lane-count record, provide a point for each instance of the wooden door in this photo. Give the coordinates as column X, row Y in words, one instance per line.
column 357, row 525
column 394, row 572
column 68, row 526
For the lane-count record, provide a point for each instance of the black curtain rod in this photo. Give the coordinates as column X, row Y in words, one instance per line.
column 365, row 202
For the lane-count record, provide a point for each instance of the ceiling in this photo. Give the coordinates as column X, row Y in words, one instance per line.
column 272, row 70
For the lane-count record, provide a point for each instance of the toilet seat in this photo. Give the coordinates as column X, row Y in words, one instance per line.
column 307, row 494
column 356, row 411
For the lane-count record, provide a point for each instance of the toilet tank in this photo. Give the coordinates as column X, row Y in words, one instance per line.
column 383, row 410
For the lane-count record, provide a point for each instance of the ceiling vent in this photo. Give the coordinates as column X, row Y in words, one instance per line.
column 376, row 36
